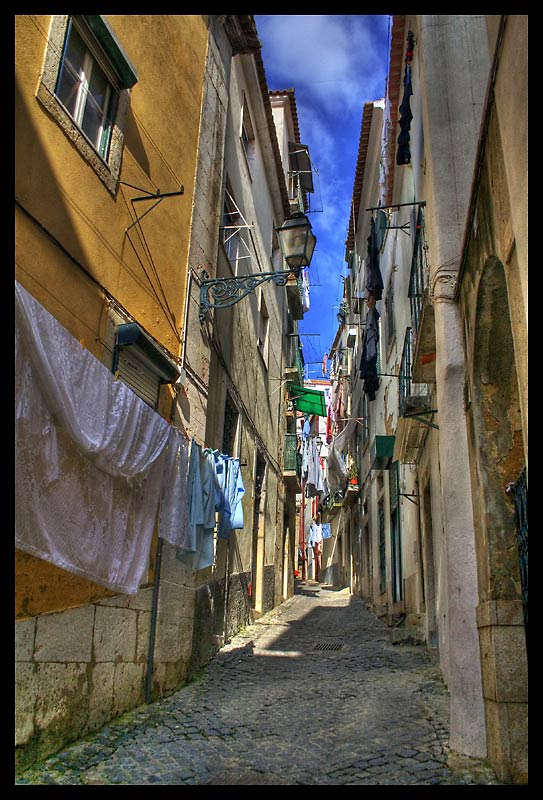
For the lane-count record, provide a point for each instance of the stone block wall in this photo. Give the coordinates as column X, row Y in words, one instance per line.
column 77, row 669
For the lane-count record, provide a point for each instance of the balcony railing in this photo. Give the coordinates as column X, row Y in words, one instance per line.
column 419, row 271
column 300, row 364
column 292, row 462
column 405, row 372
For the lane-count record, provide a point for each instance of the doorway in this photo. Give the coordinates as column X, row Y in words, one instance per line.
column 257, row 567
column 428, row 573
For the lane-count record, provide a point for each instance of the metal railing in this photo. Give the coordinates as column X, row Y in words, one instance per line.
column 419, row 270
column 298, row 362
column 291, row 462
column 405, row 372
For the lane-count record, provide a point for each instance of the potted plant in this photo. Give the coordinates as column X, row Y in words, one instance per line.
column 353, row 474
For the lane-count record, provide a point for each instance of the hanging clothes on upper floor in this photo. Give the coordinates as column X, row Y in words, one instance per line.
column 199, row 550
column 305, row 291
column 326, row 529
column 315, row 481
column 403, row 154
column 373, row 277
column 368, row 361
column 232, row 490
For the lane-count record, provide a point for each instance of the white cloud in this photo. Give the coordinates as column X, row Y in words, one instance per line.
column 335, row 59
column 335, row 64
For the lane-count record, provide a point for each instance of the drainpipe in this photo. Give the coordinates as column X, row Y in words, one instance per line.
column 156, row 581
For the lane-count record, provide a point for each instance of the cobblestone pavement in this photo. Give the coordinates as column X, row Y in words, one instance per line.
column 312, row 693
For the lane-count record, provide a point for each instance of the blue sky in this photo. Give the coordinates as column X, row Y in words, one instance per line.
column 335, row 63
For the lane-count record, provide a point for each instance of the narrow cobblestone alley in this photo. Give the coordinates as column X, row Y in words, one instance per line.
column 312, row 693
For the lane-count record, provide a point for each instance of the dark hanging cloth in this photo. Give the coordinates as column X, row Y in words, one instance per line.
column 368, row 362
column 374, row 279
column 403, row 155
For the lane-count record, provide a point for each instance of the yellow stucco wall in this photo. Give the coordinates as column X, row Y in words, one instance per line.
column 57, row 190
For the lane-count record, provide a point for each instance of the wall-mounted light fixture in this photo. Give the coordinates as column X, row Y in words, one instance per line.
column 297, row 242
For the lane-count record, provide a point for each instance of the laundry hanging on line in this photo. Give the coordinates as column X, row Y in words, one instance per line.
column 373, row 277
column 95, row 465
column 368, row 361
column 403, row 155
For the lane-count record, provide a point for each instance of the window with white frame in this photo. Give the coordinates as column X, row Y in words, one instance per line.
column 84, row 85
column 231, row 229
column 86, row 91
column 247, row 134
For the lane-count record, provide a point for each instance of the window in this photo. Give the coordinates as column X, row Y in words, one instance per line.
column 247, row 135
column 395, row 532
column 231, row 229
column 382, row 549
column 419, row 271
column 141, row 364
column 389, row 315
column 276, row 256
column 84, row 86
column 230, row 426
column 365, row 420
column 263, row 328
column 86, row 92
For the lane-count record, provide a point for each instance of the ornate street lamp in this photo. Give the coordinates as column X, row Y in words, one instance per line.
column 297, row 242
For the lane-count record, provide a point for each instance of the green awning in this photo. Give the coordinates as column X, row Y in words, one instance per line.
column 309, row 401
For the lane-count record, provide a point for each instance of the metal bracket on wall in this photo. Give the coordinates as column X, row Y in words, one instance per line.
column 226, row 292
column 158, row 196
column 410, row 497
column 405, row 228
column 421, row 419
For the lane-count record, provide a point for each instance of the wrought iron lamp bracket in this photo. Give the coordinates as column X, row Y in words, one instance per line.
column 226, row 292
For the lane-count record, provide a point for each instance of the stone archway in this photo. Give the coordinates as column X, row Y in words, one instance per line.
column 497, row 459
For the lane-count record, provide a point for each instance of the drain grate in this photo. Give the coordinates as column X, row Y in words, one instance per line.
column 328, row 646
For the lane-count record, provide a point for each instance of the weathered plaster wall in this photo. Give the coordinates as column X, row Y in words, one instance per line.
column 81, row 650
column 496, row 404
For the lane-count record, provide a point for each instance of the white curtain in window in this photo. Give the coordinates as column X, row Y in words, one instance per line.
column 93, row 461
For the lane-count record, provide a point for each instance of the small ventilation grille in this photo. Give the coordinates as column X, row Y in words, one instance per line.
column 328, row 646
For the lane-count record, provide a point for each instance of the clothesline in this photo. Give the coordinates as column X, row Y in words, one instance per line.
column 81, row 468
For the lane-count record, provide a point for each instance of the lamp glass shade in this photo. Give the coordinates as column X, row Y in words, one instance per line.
column 297, row 241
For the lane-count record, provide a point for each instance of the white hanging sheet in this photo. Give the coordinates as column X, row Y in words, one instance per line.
column 337, row 474
column 93, row 460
